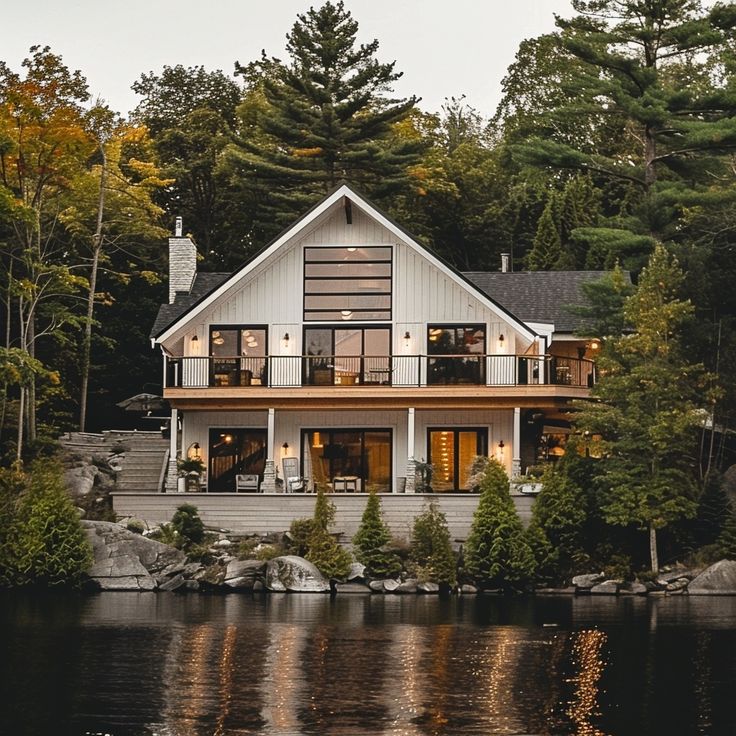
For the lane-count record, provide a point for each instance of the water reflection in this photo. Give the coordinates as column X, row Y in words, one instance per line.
column 165, row 665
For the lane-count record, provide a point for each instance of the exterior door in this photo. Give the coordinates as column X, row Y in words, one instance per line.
column 234, row 451
column 451, row 452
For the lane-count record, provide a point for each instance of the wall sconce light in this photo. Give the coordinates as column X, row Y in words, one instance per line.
column 194, row 452
column 286, row 339
column 195, row 339
column 501, row 340
column 407, row 339
column 501, row 447
column 194, row 345
column 285, row 448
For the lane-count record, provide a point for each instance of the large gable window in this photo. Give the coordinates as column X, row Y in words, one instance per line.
column 347, row 283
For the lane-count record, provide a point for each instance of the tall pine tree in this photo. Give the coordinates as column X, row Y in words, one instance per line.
column 327, row 117
column 648, row 396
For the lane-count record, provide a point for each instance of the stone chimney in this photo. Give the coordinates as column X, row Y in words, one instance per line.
column 505, row 262
column 182, row 262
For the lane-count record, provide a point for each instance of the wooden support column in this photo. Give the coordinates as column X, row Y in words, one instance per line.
column 411, row 473
column 172, row 472
column 269, row 471
column 516, row 444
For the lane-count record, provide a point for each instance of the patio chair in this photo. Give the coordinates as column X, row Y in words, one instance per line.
column 247, row 483
column 293, row 482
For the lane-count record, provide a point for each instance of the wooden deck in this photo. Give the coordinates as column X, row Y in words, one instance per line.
column 261, row 513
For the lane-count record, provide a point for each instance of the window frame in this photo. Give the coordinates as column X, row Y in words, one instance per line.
column 359, row 313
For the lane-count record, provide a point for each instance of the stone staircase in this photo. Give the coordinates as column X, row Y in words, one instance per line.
column 140, row 467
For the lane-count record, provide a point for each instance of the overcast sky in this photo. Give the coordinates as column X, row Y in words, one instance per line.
column 444, row 47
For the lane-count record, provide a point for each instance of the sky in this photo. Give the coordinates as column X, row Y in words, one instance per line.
column 445, row 48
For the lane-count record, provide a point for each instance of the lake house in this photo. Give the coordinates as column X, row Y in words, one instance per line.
column 348, row 355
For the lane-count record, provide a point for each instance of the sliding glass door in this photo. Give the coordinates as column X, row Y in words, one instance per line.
column 348, row 459
column 451, row 452
column 347, row 356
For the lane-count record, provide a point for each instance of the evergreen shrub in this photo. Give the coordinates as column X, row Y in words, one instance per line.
column 188, row 526
column 555, row 533
column 323, row 550
column 41, row 538
column 371, row 539
column 497, row 553
column 431, row 550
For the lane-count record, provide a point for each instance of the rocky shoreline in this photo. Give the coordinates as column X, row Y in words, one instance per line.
column 128, row 561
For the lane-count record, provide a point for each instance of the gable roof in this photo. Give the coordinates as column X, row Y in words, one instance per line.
column 168, row 320
column 539, row 296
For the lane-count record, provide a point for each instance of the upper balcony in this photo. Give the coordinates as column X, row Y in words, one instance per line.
column 336, row 372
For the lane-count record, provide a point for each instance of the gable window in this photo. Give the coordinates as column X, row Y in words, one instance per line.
column 456, row 353
column 347, row 283
column 238, row 355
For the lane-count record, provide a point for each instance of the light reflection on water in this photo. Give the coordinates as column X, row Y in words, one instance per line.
column 166, row 665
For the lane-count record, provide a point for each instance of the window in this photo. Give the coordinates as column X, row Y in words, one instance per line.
column 451, row 452
column 346, row 356
column 238, row 355
column 232, row 452
column 348, row 459
column 463, row 349
column 347, row 283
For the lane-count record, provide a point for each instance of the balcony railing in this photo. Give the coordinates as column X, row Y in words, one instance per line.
column 291, row 371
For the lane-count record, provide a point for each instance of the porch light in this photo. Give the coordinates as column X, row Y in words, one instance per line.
column 285, row 448
column 286, row 339
column 194, row 452
column 407, row 339
column 501, row 341
column 194, row 345
column 352, row 250
column 501, row 447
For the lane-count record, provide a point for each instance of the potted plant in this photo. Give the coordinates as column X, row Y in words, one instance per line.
column 191, row 469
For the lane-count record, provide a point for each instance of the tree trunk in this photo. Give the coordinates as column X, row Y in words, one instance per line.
column 97, row 249
column 21, row 408
column 653, row 548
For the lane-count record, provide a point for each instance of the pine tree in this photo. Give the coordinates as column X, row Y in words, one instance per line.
column 497, row 553
column 431, row 548
column 326, row 118
column 648, row 396
column 324, row 551
column 559, row 516
column 547, row 248
column 371, row 538
column 662, row 70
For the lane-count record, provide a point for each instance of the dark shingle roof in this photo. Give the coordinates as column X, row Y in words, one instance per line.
column 203, row 284
column 538, row 296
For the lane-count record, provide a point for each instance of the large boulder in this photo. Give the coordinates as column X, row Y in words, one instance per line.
column 242, row 574
column 718, row 579
column 586, row 582
column 296, row 575
column 80, row 480
column 124, row 560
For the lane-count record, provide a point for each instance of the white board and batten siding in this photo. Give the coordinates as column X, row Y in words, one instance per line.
column 272, row 294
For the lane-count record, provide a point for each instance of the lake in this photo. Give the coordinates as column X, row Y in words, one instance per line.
column 169, row 665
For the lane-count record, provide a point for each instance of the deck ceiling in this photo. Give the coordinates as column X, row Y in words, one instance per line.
column 364, row 398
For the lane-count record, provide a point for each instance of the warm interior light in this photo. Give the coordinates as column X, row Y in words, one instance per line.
column 316, row 441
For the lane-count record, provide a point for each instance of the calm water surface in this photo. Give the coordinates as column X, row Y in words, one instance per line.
column 124, row 664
